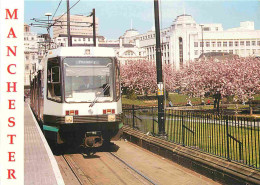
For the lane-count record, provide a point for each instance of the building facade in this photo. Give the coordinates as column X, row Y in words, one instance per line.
column 185, row 40
column 30, row 54
column 79, row 25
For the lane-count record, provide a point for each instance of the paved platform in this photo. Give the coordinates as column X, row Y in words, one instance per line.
column 40, row 166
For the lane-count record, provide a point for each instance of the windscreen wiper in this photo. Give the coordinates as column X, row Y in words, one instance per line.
column 95, row 100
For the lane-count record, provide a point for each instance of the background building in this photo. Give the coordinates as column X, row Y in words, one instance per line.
column 30, row 54
column 185, row 40
column 78, row 25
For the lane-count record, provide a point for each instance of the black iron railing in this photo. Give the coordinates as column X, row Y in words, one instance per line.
column 228, row 136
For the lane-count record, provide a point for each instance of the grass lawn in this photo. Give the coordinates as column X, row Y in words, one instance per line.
column 179, row 100
column 257, row 97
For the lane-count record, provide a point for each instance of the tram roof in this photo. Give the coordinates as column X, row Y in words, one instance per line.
column 81, row 52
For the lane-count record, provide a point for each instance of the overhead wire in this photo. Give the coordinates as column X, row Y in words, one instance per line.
column 66, row 12
column 56, row 9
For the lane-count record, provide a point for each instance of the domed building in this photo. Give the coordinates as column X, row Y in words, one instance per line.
column 183, row 21
column 129, row 48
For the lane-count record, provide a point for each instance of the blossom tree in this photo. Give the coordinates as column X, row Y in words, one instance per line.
column 140, row 76
column 238, row 77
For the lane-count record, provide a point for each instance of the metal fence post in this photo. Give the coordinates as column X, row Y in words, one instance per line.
column 183, row 131
column 227, row 139
column 133, row 109
column 153, row 120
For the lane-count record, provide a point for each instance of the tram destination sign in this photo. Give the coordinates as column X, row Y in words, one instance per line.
column 87, row 61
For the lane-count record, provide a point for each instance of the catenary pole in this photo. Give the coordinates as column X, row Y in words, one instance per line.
column 94, row 27
column 68, row 24
column 159, row 70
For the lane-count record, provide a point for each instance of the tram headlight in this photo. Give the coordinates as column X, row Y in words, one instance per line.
column 111, row 117
column 68, row 119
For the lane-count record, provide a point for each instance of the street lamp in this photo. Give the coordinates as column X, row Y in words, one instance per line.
column 48, row 28
column 201, row 25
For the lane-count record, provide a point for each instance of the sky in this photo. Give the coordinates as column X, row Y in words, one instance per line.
column 115, row 15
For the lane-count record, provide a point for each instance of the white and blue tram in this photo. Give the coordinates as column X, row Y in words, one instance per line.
column 76, row 96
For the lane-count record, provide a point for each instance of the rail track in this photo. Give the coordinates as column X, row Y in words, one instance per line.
column 83, row 176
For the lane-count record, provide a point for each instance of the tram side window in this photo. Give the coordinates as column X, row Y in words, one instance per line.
column 117, row 82
column 54, row 81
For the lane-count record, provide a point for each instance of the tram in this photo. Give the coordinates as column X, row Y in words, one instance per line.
column 76, row 96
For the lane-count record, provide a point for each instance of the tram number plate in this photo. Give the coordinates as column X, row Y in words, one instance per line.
column 111, row 117
column 68, row 119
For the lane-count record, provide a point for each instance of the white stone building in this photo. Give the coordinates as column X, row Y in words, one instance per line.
column 77, row 40
column 182, row 41
column 30, row 54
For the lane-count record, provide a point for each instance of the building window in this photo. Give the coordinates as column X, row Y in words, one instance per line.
column 225, row 44
column 219, row 44
column 236, row 43
column 247, row 43
column 230, row 43
column 181, row 51
column 26, row 67
column 253, row 43
column 258, row 43
column 201, row 44
column 206, row 29
column 84, row 39
column 34, row 67
column 207, row 44
column 88, row 39
column 196, row 52
column 231, row 51
column 213, row 44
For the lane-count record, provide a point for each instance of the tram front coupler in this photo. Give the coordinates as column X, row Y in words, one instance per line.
column 93, row 139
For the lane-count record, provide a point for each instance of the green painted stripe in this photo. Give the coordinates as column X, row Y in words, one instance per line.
column 50, row 128
column 120, row 125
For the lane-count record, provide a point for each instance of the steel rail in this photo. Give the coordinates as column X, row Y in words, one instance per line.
column 73, row 171
column 132, row 168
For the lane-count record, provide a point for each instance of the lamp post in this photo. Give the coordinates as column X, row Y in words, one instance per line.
column 48, row 28
column 201, row 25
column 161, row 122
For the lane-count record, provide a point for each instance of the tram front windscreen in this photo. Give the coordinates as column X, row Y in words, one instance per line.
column 88, row 79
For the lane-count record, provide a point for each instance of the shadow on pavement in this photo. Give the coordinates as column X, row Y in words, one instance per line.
column 61, row 149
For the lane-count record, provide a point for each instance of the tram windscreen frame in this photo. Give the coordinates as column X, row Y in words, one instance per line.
column 88, row 79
